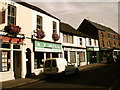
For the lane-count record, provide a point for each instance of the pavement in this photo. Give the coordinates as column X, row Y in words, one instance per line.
column 24, row 81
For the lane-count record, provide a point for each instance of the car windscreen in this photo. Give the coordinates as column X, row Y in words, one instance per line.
column 47, row 63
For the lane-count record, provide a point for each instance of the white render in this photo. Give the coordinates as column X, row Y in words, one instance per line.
column 76, row 47
column 26, row 19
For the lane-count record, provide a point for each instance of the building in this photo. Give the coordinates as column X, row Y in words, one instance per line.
column 73, row 45
column 29, row 35
column 109, row 40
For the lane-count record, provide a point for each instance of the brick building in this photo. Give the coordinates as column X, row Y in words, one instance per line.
column 109, row 40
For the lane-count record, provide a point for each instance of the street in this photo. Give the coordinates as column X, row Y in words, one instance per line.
column 98, row 78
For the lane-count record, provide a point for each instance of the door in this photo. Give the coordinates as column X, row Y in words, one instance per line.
column 17, row 64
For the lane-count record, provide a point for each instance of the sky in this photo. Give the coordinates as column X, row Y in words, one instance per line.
column 73, row 12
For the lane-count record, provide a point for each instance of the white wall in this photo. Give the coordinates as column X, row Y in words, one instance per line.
column 47, row 25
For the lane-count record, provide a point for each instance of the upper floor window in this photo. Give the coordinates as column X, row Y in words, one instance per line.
column 102, row 35
column 108, row 35
column 54, row 26
column 39, row 22
column 109, row 43
column 90, row 42
column 114, row 43
column 80, row 41
column 95, row 43
column 67, row 38
column 103, row 45
column 113, row 36
column 11, row 14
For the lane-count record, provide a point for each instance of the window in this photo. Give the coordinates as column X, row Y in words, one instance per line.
column 54, row 63
column 39, row 22
column 95, row 42
column 102, row 35
column 39, row 60
column 67, row 38
column 5, row 61
column 70, row 39
column 114, row 43
column 109, row 44
column 113, row 36
column 82, row 56
column 80, row 41
column 103, row 45
column 72, row 57
column 90, row 41
column 54, row 26
column 108, row 35
column 11, row 14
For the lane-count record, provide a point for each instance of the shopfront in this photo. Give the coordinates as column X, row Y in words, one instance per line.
column 92, row 55
column 44, row 50
column 11, row 50
column 75, row 55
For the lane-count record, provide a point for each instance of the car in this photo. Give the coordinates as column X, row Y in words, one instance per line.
column 59, row 66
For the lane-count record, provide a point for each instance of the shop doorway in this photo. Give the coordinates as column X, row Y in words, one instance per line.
column 28, row 62
column 17, row 64
column 47, row 55
column 66, row 55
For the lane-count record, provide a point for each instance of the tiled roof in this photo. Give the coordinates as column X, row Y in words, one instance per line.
column 66, row 28
column 101, row 27
column 33, row 7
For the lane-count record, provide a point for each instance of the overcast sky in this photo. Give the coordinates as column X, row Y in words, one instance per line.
column 71, row 12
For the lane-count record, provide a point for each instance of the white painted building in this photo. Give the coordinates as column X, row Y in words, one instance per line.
column 92, row 49
column 23, row 49
column 73, row 45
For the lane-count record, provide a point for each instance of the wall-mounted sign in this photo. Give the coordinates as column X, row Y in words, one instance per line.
column 47, row 47
column 90, row 48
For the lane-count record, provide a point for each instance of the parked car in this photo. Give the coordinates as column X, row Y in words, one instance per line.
column 59, row 66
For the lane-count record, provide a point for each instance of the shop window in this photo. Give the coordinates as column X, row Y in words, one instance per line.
column 55, row 55
column 82, row 56
column 80, row 41
column 54, row 26
column 39, row 60
column 16, row 46
column 72, row 57
column 5, row 61
column 5, row 45
column 39, row 22
column 11, row 14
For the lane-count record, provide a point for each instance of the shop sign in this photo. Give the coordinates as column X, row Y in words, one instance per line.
column 46, row 46
column 90, row 49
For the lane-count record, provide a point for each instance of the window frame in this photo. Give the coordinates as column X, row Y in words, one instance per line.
column 10, row 14
column 39, row 21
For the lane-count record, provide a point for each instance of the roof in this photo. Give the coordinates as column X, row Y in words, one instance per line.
column 66, row 28
column 101, row 27
column 33, row 7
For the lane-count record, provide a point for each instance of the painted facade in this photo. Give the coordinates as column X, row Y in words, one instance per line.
column 24, row 53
